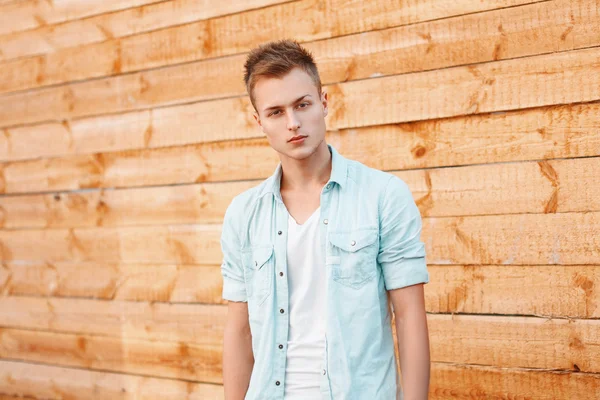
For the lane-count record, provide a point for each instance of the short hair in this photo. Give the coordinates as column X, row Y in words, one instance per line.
column 274, row 60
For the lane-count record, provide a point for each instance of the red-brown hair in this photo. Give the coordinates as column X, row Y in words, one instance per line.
column 274, row 60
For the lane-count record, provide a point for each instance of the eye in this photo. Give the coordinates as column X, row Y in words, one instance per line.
column 303, row 104
column 275, row 112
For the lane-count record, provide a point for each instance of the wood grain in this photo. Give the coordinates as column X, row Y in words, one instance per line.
column 535, row 343
column 515, row 239
column 471, row 289
column 173, row 283
column 162, row 359
column 21, row 15
column 447, row 380
column 223, row 36
column 571, row 77
column 438, row 192
column 157, row 322
column 130, row 21
column 57, row 383
column 475, row 38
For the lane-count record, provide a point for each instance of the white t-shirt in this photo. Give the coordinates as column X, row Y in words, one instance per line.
column 306, row 281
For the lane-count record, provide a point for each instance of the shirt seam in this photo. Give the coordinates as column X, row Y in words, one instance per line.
column 382, row 198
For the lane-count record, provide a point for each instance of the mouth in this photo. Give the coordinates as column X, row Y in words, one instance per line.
column 297, row 138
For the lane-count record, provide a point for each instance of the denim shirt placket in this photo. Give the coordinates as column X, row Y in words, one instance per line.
column 282, row 288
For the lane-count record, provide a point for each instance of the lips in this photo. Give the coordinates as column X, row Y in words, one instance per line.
column 296, row 138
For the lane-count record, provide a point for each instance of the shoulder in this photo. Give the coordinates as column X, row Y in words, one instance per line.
column 245, row 200
column 384, row 184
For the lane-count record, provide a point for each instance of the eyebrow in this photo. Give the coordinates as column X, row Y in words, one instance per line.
column 295, row 101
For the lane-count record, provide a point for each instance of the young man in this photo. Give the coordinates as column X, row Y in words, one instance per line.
column 310, row 255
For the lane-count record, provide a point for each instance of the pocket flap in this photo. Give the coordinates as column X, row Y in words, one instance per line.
column 353, row 240
column 258, row 256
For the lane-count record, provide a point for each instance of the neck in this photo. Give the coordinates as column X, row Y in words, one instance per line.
column 313, row 171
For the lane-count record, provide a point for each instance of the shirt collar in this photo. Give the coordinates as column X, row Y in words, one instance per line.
column 339, row 174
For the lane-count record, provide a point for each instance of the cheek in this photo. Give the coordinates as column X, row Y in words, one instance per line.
column 315, row 116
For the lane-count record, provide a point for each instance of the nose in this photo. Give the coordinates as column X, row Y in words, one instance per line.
column 293, row 123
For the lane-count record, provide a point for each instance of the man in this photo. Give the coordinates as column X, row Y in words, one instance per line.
column 310, row 255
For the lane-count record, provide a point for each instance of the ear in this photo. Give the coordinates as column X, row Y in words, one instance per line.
column 324, row 102
column 257, row 118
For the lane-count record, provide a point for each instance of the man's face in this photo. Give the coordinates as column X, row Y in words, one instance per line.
column 288, row 107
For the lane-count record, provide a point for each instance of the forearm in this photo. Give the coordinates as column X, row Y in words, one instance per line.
column 413, row 349
column 238, row 361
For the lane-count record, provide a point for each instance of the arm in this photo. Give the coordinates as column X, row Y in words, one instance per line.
column 413, row 340
column 402, row 260
column 238, row 359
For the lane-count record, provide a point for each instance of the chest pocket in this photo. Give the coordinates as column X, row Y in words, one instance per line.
column 353, row 256
column 258, row 272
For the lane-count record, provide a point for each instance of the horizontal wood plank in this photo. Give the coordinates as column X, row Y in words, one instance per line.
column 57, row 383
column 464, row 382
column 161, row 359
column 438, row 192
column 474, row 289
column 549, row 132
column 469, row 39
column 515, row 239
column 560, row 344
column 572, row 77
column 222, row 36
column 173, row 283
column 20, row 15
column 447, row 380
column 130, row 21
column 159, row 322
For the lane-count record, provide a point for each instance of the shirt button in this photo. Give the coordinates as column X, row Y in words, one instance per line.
column 277, row 383
column 281, row 274
column 281, row 310
column 281, row 346
column 324, row 372
column 328, row 185
column 279, row 232
column 325, row 221
column 352, row 243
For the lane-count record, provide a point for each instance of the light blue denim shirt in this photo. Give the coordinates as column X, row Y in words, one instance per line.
column 371, row 229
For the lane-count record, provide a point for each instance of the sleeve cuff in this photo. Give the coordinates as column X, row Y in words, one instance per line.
column 234, row 291
column 409, row 272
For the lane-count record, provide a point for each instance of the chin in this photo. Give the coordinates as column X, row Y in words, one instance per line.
column 299, row 153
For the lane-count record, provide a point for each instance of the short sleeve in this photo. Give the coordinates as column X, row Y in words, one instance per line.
column 234, row 288
column 401, row 251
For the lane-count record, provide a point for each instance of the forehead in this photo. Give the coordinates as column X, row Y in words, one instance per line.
column 270, row 92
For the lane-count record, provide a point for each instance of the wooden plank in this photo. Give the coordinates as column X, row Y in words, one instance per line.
column 204, row 203
column 489, row 289
column 463, row 382
column 523, row 289
column 171, row 283
column 189, row 323
column 198, row 40
column 514, row 239
column 11, row 397
column 447, row 380
column 185, row 244
column 30, row 14
column 130, row 21
column 552, row 132
column 439, row 192
column 159, row 359
column 536, row 343
column 455, row 41
column 58, row 383
column 572, row 76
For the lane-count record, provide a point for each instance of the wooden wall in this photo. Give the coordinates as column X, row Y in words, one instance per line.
column 125, row 132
